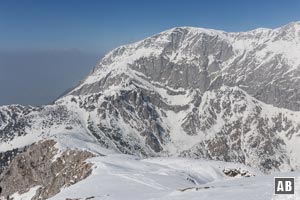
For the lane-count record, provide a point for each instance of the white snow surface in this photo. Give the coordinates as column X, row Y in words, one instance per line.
column 27, row 195
column 122, row 177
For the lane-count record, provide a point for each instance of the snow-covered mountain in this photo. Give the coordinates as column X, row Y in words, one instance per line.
column 185, row 92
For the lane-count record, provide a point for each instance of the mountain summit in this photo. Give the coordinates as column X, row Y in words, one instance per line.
column 262, row 62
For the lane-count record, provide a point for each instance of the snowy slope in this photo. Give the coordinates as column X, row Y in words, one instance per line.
column 126, row 177
column 121, row 177
column 154, row 178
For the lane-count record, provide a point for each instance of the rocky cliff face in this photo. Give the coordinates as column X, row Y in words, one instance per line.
column 184, row 92
column 41, row 165
column 264, row 62
column 238, row 128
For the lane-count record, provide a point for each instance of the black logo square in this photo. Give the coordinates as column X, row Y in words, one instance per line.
column 284, row 185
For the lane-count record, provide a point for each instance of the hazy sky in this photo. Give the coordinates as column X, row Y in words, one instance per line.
column 48, row 46
column 35, row 77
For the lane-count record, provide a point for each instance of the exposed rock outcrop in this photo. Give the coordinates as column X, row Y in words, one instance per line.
column 42, row 165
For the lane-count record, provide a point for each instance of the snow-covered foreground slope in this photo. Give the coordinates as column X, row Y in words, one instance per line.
column 122, row 177
column 127, row 177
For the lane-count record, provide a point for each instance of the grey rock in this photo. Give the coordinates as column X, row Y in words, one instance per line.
column 37, row 166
